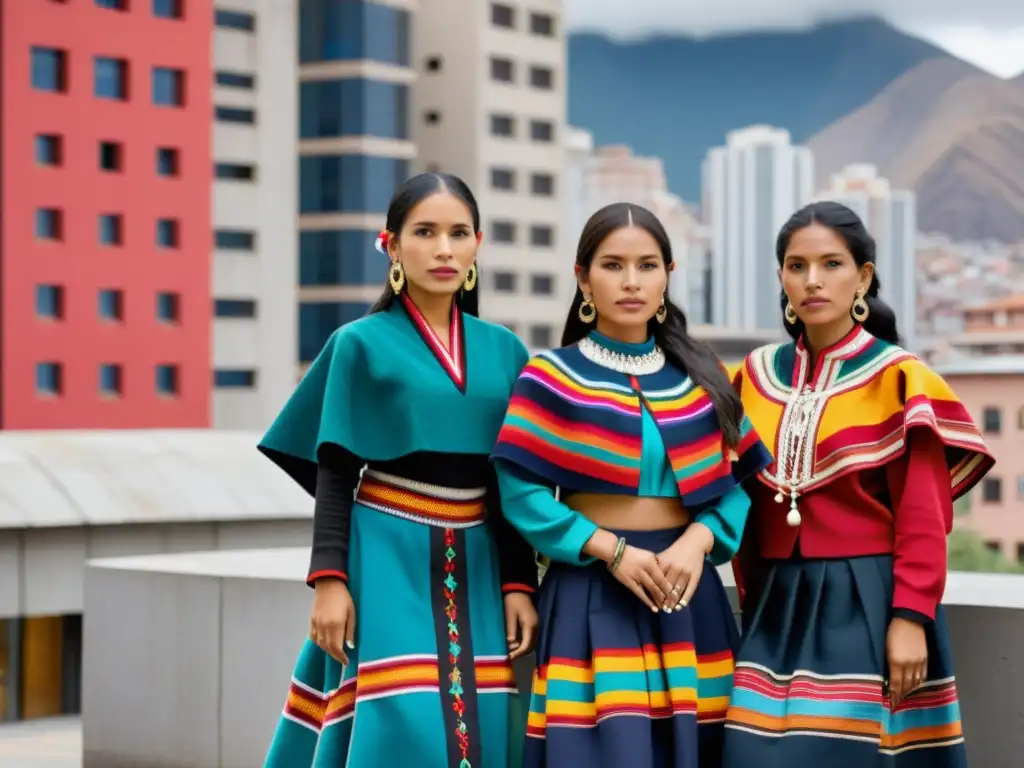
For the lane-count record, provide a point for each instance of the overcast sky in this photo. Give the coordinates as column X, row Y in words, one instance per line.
column 988, row 33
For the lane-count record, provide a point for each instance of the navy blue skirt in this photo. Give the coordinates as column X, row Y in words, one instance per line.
column 810, row 683
column 619, row 685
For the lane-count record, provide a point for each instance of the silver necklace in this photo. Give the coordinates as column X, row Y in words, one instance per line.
column 635, row 365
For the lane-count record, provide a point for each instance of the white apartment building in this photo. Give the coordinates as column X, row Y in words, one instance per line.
column 255, row 183
column 489, row 106
column 891, row 217
column 751, row 186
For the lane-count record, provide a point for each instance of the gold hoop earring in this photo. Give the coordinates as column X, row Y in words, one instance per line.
column 791, row 317
column 396, row 276
column 860, row 309
column 662, row 314
column 587, row 312
column 470, row 282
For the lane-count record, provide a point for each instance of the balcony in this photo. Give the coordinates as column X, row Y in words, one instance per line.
column 187, row 658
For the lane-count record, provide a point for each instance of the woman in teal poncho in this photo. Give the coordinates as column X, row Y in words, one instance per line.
column 423, row 592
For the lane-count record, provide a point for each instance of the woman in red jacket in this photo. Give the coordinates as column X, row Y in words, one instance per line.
column 845, row 658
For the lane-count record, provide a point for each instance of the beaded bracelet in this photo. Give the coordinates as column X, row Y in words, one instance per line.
column 620, row 548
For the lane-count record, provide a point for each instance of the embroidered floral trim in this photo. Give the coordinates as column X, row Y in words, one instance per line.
column 454, row 649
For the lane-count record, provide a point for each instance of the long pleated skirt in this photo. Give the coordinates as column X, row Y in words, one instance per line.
column 619, row 686
column 810, row 686
column 429, row 683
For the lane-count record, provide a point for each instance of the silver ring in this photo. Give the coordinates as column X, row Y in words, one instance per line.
column 675, row 590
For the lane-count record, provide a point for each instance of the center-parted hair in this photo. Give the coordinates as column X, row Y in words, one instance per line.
column 408, row 196
column 881, row 321
column 682, row 350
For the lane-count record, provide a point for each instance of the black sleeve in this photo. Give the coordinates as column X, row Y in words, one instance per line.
column 336, row 481
column 516, row 558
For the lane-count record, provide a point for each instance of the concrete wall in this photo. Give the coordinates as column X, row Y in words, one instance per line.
column 196, row 650
column 42, row 569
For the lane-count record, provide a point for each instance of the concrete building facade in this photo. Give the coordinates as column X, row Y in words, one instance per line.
column 105, row 227
column 355, row 148
column 489, row 106
column 255, row 186
column 751, row 186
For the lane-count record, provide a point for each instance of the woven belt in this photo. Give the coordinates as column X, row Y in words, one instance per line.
column 422, row 502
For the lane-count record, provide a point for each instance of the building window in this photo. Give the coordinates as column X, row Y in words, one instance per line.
column 234, row 171
column 348, row 183
column 111, row 156
column 167, row 233
column 50, row 302
column 234, row 240
column 234, row 115
column 433, row 64
column 542, row 77
column 110, row 304
column 110, row 379
column 505, row 282
column 542, row 24
column 503, row 232
column 992, row 421
column 992, row 490
column 167, row 9
column 317, row 321
column 502, row 70
column 168, row 307
column 340, row 257
column 503, row 16
column 49, row 378
column 542, row 130
column 503, row 178
column 542, row 285
column 49, row 149
column 503, row 125
column 234, row 379
column 49, row 69
column 540, row 336
column 168, row 87
column 353, row 107
column 234, row 308
column 542, row 184
column 49, row 223
column 111, row 229
column 166, row 161
column 110, row 78
column 245, row 22
column 167, row 379
column 234, row 80
column 542, row 236
column 342, row 30
column 114, row 5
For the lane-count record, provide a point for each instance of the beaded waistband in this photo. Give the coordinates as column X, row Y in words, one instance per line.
column 422, row 502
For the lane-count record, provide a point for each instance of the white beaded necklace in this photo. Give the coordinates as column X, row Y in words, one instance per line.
column 634, row 365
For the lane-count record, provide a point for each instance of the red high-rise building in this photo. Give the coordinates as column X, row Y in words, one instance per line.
column 105, row 234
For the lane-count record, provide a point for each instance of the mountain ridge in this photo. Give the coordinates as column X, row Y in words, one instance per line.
column 663, row 95
column 962, row 149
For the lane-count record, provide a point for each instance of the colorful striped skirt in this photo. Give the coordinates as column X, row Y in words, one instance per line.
column 810, row 676
column 429, row 682
column 618, row 685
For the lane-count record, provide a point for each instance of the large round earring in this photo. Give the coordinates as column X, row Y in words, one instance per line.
column 860, row 309
column 396, row 276
column 791, row 317
column 662, row 314
column 470, row 282
column 587, row 312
